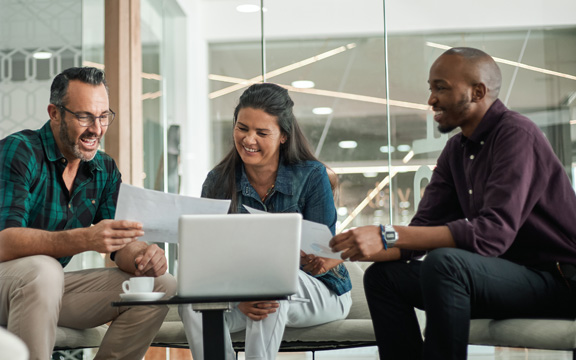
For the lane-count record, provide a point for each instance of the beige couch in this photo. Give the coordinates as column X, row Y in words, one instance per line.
column 356, row 330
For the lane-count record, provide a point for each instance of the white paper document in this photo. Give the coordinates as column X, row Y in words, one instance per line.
column 159, row 212
column 315, row 237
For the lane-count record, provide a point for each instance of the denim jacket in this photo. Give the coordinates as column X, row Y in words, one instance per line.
column 301, row 188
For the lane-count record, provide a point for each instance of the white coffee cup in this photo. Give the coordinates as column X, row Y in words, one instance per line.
column 141, row 284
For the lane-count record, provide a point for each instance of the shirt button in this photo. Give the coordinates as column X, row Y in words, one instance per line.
column 93, row 201
column 470, row 191
column 481, row 142
column 471, row 157
column 63, row 161
column 69, row 206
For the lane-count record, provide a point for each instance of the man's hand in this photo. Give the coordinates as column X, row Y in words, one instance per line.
column 316, row 265
column 152, row 262
column 141, row 259
column 258, row 310
column 358, row 243
column 112, row 235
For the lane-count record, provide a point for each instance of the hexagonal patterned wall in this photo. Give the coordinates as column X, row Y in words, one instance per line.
column 29, row 28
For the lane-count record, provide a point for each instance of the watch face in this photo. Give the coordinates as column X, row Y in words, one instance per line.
column 390, row 236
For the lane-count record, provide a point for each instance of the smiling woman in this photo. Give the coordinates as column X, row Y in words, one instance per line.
column 271, row 168
column 257, row 138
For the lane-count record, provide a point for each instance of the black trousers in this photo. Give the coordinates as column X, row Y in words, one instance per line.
column 453, row 286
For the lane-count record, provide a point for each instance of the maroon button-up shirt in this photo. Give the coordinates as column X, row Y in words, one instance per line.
column 503, row 193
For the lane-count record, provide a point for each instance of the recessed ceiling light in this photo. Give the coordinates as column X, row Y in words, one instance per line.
column 370, row 174
column 41, row 55
column 384, row 149
column 248, row 8
column 322, row 111
column 404, row 148
column 303, row 84
column 348, row 144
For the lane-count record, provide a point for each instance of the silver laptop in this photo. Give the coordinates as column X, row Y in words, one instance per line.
column 238, row 257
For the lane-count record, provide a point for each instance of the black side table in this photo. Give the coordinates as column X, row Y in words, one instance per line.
column 212, row 309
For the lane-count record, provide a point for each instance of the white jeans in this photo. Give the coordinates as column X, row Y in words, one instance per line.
column 263, row 337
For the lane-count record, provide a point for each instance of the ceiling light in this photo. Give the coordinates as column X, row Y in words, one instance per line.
column 41, row 55
column 348, row 144
column 342, row 211
column 370, row 174
column 322, row 111
column 247, row 8
column 384, row 149
column 303, row 84
column 404, row 148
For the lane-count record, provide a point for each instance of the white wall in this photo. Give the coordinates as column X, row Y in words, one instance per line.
column 313, row 18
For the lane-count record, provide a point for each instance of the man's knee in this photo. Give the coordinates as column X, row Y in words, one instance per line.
column 373, row 275
column 40, row 275
column 36, row 281
column 444, row 262
column 381, row 274
column 165, row 283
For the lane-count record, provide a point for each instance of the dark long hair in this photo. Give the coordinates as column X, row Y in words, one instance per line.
column 275, row 101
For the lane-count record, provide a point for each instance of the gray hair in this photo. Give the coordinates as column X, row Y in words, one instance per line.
column 88, row 75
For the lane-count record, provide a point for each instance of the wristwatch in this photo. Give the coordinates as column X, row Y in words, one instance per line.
column 389, row 236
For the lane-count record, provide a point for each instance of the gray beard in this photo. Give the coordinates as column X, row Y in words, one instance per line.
column 71, row 145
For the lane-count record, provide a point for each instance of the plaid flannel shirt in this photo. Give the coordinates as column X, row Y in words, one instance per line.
column 33, row 193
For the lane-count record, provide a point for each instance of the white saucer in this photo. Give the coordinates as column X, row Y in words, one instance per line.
column 151, row 296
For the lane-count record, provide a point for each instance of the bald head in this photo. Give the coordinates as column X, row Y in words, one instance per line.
column 478, row 67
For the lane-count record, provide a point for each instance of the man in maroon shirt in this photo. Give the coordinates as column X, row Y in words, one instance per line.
column 496, row 222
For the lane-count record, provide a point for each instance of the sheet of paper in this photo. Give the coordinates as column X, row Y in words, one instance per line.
column 315, row 237
column 159, row 212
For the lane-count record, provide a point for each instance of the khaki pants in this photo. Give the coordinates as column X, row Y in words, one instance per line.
column 36, row 296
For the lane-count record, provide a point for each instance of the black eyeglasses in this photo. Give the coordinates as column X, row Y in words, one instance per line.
column 86, row 120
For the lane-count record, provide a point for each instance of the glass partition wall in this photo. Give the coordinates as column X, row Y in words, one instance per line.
column 336, row 75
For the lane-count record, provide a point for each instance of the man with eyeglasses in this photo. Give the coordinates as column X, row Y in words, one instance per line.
column 58, row 197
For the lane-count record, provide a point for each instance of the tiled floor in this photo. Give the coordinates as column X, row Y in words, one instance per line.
column 474, row 353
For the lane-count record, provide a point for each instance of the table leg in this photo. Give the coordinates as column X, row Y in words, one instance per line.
column 213, row 333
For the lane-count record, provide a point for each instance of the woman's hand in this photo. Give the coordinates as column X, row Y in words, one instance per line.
column 258, row 310
column 316, row 265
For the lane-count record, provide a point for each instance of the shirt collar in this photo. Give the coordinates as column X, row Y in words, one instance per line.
column 488, row 123
column 54, row 154
column 283, row 182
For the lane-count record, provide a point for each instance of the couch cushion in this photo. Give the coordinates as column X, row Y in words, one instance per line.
column 332, row 335
column 553, row 334
column 67, row 338
column 171, row 333
column 359, row 309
